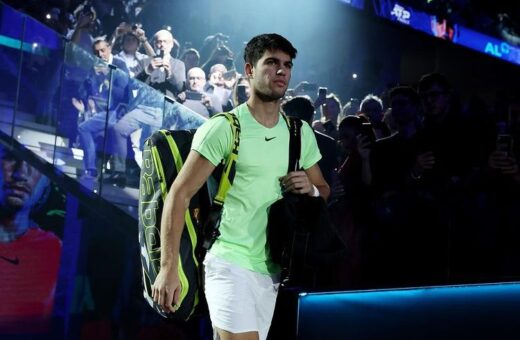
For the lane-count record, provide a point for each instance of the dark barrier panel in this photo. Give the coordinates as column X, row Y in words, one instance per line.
column 489, row 311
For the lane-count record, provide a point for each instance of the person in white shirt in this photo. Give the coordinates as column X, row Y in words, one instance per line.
column 130, row 54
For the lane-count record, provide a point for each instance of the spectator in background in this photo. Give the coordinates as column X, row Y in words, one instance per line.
column 372, row 108
column 190, row 58
column 409, row 245
column 165, row 73
column 444, row 136
column 241, row 91
column 93, row 127
column 216, row 83
column 133, row 59
column 99, row 90
column 389, row 121
column 395, row 156
column 84, row 31
column 98, row 85
column 216, row 75
column 222, row 54
column 351, row 108
column 102, row 49
column 330, row 110
column 350, row 207
column 301, row 107
column 29, row 256
column 210, row 43
column 197, row 99
column 85, row 112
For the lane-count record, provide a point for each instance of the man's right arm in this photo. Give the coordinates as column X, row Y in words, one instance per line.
column 194, row 173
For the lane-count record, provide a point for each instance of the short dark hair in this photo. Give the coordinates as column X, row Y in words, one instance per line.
column 257, row 46
column 352, row 122
column 428, row 80
column 190, row 51
column 300, row 107
column 129, row 35
column 406, row 91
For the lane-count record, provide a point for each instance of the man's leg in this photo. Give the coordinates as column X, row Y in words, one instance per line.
column 139, row 117
column 120, row 131
column 234, row 300
column 86, row 131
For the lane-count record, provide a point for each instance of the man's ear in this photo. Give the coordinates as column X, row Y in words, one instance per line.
column 248, row 70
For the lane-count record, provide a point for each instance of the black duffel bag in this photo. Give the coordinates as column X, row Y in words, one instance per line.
column 300, row 235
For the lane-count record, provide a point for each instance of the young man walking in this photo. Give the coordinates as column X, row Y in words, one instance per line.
column 241, row 282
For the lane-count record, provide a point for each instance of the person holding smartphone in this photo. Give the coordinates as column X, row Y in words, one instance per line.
column 162, row 71
column 196, row 98
column 502, row 159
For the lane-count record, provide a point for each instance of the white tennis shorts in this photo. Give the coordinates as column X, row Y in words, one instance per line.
column 239, row 300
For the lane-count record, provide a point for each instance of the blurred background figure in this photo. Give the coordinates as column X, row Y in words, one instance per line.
column 302, row 108
column 29, row 256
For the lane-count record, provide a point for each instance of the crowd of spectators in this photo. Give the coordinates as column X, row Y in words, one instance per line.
column 425, row 187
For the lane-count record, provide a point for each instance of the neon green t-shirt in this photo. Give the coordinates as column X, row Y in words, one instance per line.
column 263, row 158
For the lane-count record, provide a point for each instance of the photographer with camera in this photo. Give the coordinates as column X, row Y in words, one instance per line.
column 196, row 98
column 220, row 52
column 218, row 83
column 83, row 34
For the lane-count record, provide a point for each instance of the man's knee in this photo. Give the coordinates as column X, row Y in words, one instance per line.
column 83, row 128
column 122, row 128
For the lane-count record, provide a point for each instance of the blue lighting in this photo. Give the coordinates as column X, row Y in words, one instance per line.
column 457, row 34
column 456, row 311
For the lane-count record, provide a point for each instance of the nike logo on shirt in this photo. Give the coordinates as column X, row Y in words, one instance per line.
column 14, row 261
column 268, row 139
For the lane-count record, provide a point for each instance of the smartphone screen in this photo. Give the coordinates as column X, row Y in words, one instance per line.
column 505, row 143
column 322, row 91
column 193, row 95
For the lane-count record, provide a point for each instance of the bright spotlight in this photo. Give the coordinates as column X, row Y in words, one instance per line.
column 354, row 75
column 48, row 16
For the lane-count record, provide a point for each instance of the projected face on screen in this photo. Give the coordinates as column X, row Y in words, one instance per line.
column 21, row 184
column 29, row 255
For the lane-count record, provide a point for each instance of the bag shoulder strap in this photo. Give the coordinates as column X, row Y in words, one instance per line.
column 228, row 175
column 294, row 124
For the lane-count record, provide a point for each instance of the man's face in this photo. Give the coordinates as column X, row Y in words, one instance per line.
column 163, row 41
column 191, row 60
column 217, row 79
column 435, row 101
column 130, row 44
column 373, row 111
column 331, row 109
column 404, row 111
column 196, row 80
column 103, row 50
column 18, row 181
column 271, row 75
